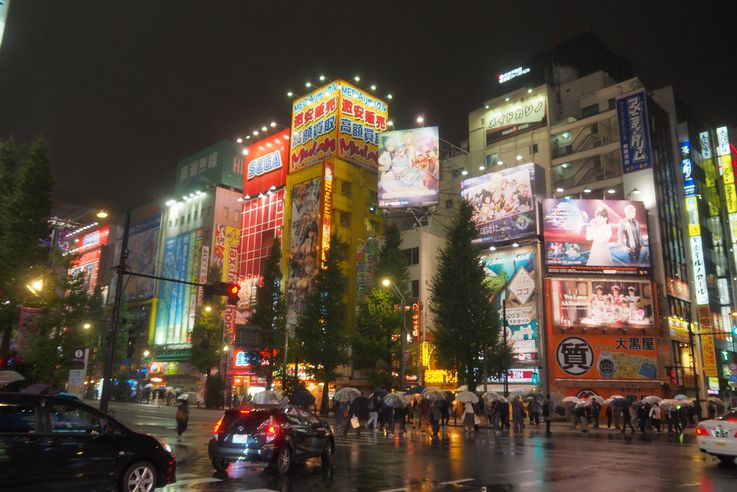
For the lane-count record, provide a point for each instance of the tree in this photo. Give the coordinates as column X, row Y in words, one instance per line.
column 321, row 328
column 270, row 315
column 207, row 339
column 466, row 322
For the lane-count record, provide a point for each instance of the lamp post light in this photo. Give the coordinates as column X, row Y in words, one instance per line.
column 403, row 335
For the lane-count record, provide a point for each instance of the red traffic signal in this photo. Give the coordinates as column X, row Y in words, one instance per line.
column 226, row 289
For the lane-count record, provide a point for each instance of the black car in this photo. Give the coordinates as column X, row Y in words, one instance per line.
column 275, row 434
column 49, row 442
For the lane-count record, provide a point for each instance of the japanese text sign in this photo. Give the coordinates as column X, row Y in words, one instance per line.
column 515, row 117
column 266, row 163
column 708, row 350
column 337, row 120
column 634, row 132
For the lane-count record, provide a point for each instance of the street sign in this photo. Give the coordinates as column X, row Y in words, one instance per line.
column 78, row 355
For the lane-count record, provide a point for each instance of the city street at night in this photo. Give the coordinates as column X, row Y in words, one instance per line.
column 598, row 460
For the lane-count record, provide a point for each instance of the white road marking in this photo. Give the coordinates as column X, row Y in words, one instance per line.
column 196, row 481
column 394, row 490
column 516, row 473
column 529, row 484
column 451, row 482
column 692, row 484
column 186, row 475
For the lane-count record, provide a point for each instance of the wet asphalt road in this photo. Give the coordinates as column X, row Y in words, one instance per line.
column 596, row 461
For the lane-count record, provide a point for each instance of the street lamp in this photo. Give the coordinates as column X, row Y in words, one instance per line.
column 87, row 326
column 36, row 286
column 146, row 353
column 403, row 337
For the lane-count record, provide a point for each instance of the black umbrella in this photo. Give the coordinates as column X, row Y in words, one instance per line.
column 303, row 398
column 417, row 390
column 380, row 393
column 359, row 407
column 36, row 389
column 621, row 402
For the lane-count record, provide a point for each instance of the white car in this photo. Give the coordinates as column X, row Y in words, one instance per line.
column 718, row 437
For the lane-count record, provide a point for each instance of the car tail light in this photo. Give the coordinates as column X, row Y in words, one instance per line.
column 731, row 419
column 216, row 429
column 245, row 412
column 701, row 431
column 270, row 429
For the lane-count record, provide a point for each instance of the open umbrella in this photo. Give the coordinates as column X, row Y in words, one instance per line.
column 395, row 400
column 571, row 399
column 651, row 400
column 467, row 397
column 381, row 393
column 621, row 402
column 598, row 398
column 417, row 390
column 681, row 397
column 149, row 386
column 346, row 394
column 7, row 377
column 266, row 397
column 614, row 397
column 64, row 394
column 492, row 395
column 434, row 394
column 183, row 396
column 669, row 403
column 303, row 398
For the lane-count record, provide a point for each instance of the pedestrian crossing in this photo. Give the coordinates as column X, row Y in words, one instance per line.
column 369, row 437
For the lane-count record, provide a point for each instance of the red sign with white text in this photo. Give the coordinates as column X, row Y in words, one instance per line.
column 266, row 164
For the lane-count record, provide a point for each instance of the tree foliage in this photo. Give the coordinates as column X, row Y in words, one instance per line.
column 321, row 330
column 270, row 315
column 207, row 339
column 466, row 322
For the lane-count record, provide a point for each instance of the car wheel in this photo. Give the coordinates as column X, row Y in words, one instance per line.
column 220, row 464
column 725, row 459
column 327, row 455
column 283, row 460
column 139, row 477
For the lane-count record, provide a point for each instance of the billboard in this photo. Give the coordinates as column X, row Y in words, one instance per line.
column 613, row 357
column 266, row 164
column 337, row 120
column 596, row 236
column 303, row 244
column 601, row 303
column 227, row 240
column 503, row 203
column 88, row 250
column 514, row 270
column 634, row 132
column 221, row 163
column 409, row 168
column 515, row 117
column 142, row 244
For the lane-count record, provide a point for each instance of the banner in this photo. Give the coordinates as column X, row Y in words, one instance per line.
column 601, row 303
column 596, row 236
column 173, row 320
column 515, row 117
column 503, row 203
column 409, row 168
column 266, row 164
column 708, row 350
column 514, row 270
column 623, row 357
column 143, row 247
column 634, row 132
column 304, row 232
column 327, row 212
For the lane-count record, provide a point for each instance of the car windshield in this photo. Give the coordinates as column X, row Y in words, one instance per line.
column 730, row 416
column 248, row 419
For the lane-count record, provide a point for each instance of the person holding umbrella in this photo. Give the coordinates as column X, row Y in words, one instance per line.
column 547, row 411
column 626, row 420
column 182, row 418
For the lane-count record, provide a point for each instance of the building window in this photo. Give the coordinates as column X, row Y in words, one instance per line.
column 449, row 203
column 373, row 196
column 344, row 218
column 345, row 188
column 491, row 159
column 590, row 110
column 612, row 103
column 415, row 288
column 412, row 255
column 533, row 149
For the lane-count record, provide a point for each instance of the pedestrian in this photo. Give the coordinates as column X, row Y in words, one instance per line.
column 373, row 407
column 503, row 408
column 579, row 417
column 386, row 415
column 435, row 417
column 627, row 420
column 444, row 412
column 674, row 422
column 642, row 413
column 353, row 419
column 655, row 415
column 547, row 412
column 399, row 417
column 518, row 415
column 608, row 413
column 182, row 418
column 535, row 412
column 595, row 410
column 469, row 420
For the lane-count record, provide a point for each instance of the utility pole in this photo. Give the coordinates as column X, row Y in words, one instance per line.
column 120, row 271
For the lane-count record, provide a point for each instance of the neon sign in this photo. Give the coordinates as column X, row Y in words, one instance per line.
column 512, row 74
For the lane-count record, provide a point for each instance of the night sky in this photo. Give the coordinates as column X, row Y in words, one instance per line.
column 122, row 91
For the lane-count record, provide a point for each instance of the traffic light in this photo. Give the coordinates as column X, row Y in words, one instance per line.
column 226, row 289
column 672, row 375
column 734, row 330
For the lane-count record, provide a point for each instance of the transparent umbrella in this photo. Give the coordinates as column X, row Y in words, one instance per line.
column 346, row 394
column 652, row 400
column 395, row 400
column 467, row 397
column 433, row 394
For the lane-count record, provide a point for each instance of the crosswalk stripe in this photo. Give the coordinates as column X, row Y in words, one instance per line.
column 196, row 481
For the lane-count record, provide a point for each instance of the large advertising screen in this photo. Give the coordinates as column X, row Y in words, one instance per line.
column 266, row 163
column 515, row 117
column 514, row 270
column 613, row 357
column 337, row 120
column 601, row 303
column 143, row 247
column 503, row 203
column 596, row 236
column 303, row 248
column 409, row 168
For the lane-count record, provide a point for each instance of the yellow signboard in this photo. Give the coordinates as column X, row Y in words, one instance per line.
column 425, row 354
column 337, row 120
column 439, row 376
column 692, row 211
column 708, row 351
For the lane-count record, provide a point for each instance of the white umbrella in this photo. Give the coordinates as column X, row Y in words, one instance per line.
column 570, row 399
column 149, row 386
column 461, row 388
column 346, row 394
column 467, row 397
column 7, row 377
column 669, row 403
column 598, row 398
column 395, row 400
column 434, row 394
column 681, row 397
column 614, row 397
column 492, row 395
column 651, row 400
column 266, row 397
